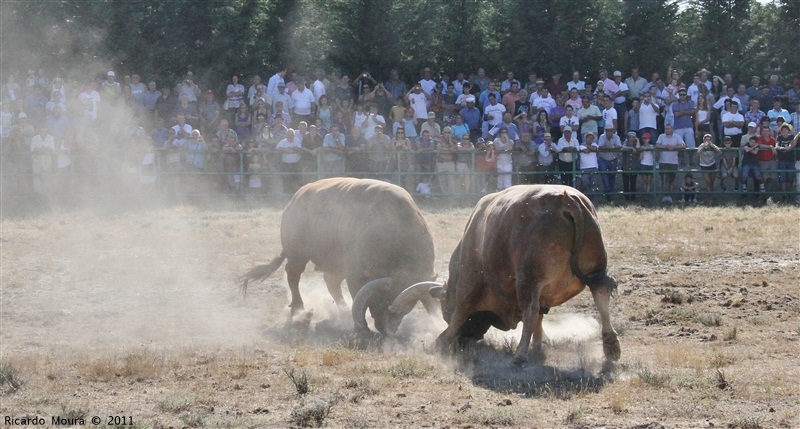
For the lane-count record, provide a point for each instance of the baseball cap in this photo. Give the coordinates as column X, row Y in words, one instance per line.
column 609, row 126
column 617, row 73
column 111, row 73
column 431, row 115
column 631, row 133
column 646, row 136
column 281, row 84
column 567, row 129
column 471, row 99
column 752, row 124
column 548, row 135
column 591, row 133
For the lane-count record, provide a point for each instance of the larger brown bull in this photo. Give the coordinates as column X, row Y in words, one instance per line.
column 370, row 233
column 525, row 250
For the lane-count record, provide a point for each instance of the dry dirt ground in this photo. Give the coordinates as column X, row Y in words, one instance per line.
column 138, row 315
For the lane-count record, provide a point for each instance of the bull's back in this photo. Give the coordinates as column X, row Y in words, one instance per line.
column 332, row 221
column 532, row 221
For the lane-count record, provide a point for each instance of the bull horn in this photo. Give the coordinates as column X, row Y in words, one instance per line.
column 362, row 299
column 407, row 299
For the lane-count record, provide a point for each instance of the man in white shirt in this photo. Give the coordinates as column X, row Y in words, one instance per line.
column 372, row 121
column 668, row 145
column 732, row 123
column 610, row 117
column 492, row 115
column 418, row 101
column 648, row 116
column 543, row 100
column 427, row 83
column 577, row 83
column 588, row 162
column 274, row 81
column 303, row 103
column 567, row 146
column 319, row 86
column 620, row 98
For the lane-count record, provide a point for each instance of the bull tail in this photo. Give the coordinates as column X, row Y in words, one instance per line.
column 578, row 213
column 260, row 273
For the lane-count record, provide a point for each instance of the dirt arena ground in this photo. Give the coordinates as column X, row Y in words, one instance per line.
column 137, row 316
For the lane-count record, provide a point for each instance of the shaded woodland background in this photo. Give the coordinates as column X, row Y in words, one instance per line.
column 161, row 40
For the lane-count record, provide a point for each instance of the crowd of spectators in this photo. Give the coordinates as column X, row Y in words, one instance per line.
column 453, row 134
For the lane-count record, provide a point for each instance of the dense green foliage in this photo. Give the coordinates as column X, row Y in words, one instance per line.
column 217, row 38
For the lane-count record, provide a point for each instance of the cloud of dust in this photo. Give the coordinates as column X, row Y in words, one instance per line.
column 92, row 282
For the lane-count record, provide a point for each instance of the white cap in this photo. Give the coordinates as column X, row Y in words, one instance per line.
column 111, row 73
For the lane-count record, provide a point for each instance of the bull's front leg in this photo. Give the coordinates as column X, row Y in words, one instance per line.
column 602, row 300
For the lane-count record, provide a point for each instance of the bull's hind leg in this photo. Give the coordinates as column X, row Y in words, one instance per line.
column 531, row 319
column 294, row 269
column 334, row 283
column 602, row 299
column 538, row 334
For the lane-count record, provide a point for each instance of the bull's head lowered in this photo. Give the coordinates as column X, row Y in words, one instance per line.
column 389, row 303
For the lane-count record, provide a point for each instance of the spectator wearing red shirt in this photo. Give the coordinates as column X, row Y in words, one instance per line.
column 767, row 160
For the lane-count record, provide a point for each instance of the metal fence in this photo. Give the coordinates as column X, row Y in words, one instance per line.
column 261, row 175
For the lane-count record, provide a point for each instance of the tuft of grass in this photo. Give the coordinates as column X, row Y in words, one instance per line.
column 709, row 319
column 311, row 413
column 652, row 378
column 575, row 415
column 618, row 402
column 731, row 335
column 300, row 381
column 194, row 420
column 720, row 359
column 408, row 368
column 677, row 297
column 746, row 422
column 336, row 357
column 10, row 376
column 175, row 404
column 142, row 365
column 758, row 321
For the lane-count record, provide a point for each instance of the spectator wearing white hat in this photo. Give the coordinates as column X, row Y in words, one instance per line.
column 111, row 89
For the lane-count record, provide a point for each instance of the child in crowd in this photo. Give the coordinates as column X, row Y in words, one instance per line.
column 689, row 188
column 707, row 158
column 646, row 161
column 728, row 168
column 424, row 187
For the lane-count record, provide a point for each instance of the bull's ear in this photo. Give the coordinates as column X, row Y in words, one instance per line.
column 438, row 291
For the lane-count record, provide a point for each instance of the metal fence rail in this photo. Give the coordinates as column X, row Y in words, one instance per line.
column 260, row 174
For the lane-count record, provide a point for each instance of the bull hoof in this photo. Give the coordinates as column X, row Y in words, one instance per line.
column 296, row 309
column 611, row 347
column 520, row 361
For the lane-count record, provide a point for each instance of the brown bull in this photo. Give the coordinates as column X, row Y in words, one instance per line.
column 525, row 250
column 362, row 231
